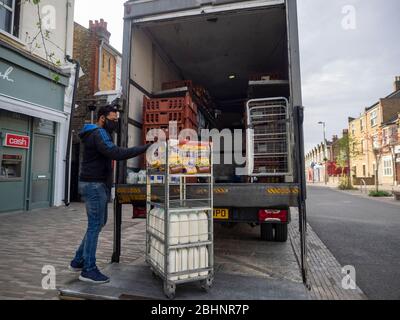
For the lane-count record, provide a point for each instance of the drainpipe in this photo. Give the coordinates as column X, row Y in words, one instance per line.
column 68, row 153
column 66, row 28
column 100, row 63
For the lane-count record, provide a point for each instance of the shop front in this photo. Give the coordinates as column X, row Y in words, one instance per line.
column 33, row 131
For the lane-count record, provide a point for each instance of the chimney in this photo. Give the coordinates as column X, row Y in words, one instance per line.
column 100, row 29
column 397, row 83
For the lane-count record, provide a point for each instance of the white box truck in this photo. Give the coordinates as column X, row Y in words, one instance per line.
column 222, row 44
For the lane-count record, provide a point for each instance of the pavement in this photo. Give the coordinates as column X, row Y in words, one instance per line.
column 363, row 232
column 49, row 237
column 359, row 189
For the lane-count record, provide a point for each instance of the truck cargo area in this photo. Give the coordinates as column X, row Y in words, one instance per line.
column 221, row 52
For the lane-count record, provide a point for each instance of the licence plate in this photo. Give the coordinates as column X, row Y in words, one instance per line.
column 221, row 214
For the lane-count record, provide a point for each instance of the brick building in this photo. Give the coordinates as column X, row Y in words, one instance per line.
column 101, row 82
column 375, row 132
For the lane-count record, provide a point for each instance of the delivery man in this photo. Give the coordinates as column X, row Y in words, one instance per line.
column 95, row 183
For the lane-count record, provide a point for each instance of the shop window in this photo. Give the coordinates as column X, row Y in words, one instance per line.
column 43, row 126
column 11, row 167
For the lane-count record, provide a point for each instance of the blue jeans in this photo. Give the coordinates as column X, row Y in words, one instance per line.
column 96, row 196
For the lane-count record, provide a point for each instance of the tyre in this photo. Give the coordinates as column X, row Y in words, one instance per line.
column 281, row 232
column 267, row 232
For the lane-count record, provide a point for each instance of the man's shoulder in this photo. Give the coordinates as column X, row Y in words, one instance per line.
column 104, row 136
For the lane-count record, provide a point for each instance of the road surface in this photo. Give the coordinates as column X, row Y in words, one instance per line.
column 361, row 232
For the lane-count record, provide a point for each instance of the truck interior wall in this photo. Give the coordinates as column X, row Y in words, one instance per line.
column 148, row 69
column 134, row 139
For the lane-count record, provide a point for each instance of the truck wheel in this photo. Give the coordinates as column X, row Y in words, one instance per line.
column 281, row 232
column 267, row 232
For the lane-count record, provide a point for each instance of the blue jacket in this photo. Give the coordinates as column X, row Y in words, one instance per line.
column 99, row 151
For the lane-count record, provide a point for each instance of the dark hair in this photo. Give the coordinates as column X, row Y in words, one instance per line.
column 105, row 111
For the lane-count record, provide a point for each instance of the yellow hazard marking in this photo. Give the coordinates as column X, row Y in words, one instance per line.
column 283, row 191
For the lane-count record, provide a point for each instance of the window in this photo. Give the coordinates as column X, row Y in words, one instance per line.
column 387, row 167
column 109, row 65
column 9, row 16
column 374, row 118
column 353, row 131
column 375, row 142
column 392, row 135
column 362, row 125
column 104, row 59
column 364, row 170
column 362, row 146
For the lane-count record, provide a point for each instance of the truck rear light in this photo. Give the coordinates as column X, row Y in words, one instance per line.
column 271, row 215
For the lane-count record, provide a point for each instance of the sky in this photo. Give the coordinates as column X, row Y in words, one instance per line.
column 349, row 49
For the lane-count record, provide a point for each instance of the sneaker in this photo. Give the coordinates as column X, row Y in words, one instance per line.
column 75, row 267
column 94, row 276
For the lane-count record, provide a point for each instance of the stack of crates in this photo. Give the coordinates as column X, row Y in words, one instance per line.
column 159, row 112
column 199, row 91
column 177, row 84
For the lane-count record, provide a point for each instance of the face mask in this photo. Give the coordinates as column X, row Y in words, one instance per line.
column 111, row 126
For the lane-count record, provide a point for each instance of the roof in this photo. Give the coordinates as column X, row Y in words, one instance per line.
column 395, row 94
column 391, row 121
column 111, row 48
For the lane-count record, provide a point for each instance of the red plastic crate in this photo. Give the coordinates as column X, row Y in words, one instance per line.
column 163, row 118
column 169, row 104
column 177, row 84
column 187, row 124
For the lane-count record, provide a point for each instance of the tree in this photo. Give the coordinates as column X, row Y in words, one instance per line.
column 347, row 152
column 381, row 144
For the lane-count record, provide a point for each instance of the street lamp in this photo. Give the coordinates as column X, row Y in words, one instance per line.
column 325, row 153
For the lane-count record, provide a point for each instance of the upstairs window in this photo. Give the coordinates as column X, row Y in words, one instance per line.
column 9, row 16
column 374, row 118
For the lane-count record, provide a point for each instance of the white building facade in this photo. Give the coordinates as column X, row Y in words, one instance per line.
column 36, row 86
